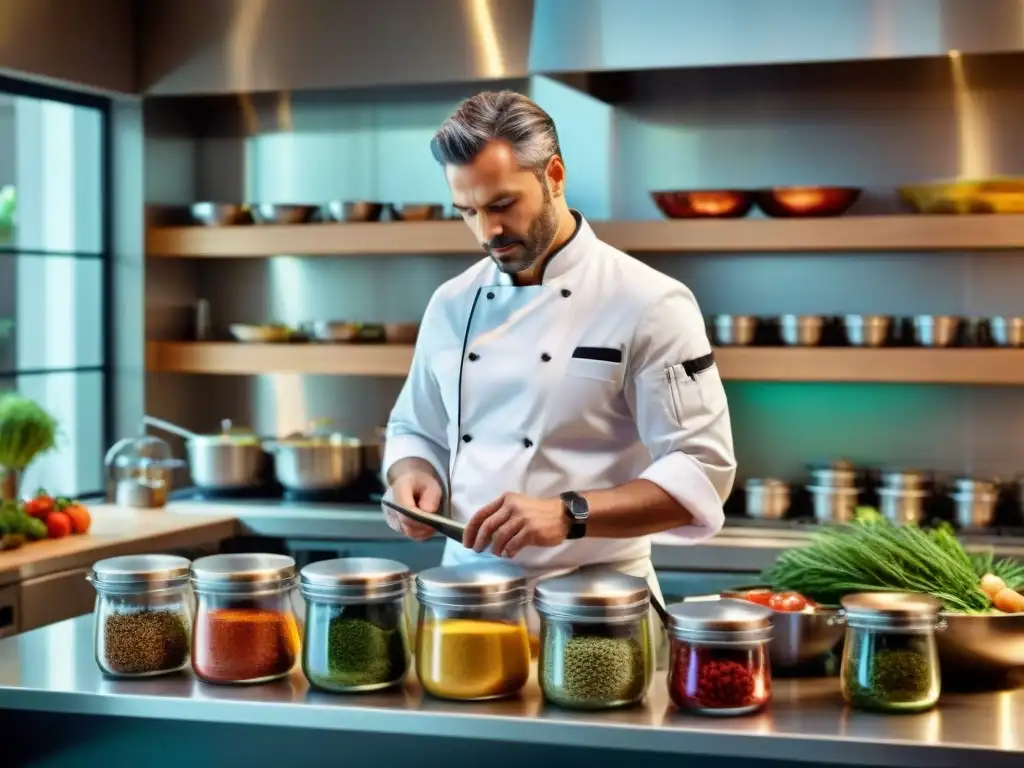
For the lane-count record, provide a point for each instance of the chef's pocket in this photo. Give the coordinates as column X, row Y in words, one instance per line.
column 697, row 396
column 596, row 370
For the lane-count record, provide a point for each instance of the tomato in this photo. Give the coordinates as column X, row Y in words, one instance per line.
column 58, row 525
column 788, row 602
column 80, row 517
column 40, row 506
column 759, row 596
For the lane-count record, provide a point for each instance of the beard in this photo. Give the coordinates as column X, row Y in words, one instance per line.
column 524, row 251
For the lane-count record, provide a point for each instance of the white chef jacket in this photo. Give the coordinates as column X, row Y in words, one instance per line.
column 600, row 375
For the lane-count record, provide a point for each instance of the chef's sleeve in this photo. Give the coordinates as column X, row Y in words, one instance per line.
column 679, row 403
column 418, row 425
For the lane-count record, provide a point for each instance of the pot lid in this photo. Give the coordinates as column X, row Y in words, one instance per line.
column 372, row 578
column 891, row 609
column 596, row 595
column 471, row 583
column 242, row 572
column 726, row 619
column 140, row 571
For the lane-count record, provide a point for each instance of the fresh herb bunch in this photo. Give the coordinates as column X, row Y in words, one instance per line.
column 26, row 431
column 873, row 555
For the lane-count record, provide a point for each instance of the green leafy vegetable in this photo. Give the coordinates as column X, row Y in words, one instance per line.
column 873, row 555
column 26, row 431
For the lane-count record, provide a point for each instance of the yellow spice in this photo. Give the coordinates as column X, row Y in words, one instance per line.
column 471, row 658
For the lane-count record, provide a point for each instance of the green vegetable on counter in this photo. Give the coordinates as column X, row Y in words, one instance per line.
column 15, row 521
column 873, row 555
column 26, row 431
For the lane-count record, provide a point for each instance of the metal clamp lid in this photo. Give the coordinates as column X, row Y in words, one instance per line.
column 472, row 584
column 354, row 578
column 725, row 620
column 594, row 596
column 129, row 573
column 243, row 573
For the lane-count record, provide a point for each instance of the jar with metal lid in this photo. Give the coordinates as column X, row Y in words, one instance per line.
column 471, row 640
column 143, row 615
column 890, row 660
column 246, row 630
column 355, row 633
column 596, row 640
column 720, row 660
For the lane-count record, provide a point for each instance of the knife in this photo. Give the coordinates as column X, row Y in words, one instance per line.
column 450, row 528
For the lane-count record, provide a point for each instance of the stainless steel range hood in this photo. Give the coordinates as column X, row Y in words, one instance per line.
column 225, row 46
column 604, row 35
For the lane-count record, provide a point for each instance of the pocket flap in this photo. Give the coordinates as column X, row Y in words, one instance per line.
column 604, row 354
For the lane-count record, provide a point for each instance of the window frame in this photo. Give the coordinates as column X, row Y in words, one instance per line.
column 36, row 90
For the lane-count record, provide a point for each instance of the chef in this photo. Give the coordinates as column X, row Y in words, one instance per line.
column 563, row 399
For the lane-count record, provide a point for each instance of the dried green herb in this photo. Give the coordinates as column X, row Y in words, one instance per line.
column 592, row 669
column 888, row 678
column 355, row 647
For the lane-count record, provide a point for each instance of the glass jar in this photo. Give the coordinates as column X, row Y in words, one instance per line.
column 890, row 661
column 143, row 615
column 355, row 632
column 246, row 630
column 596, row 640
column 719, row 662
column 471, row 639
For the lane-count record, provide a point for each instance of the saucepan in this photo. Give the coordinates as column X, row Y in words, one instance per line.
column 231, row 460
column 320, row 460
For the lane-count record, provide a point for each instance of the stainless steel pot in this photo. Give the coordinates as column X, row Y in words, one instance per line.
column 317, row 462
column 867, row 330
column 901, row 506
column 733, row 330
column 801, row 330
column 233, row 460
column 1007, row 331
column 835, row 504
column 936, row 330
column 904, row 480
column 767, row 499
column 975, row 502
column 838, row 474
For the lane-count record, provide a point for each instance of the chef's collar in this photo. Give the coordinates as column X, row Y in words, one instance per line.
column 565, row 257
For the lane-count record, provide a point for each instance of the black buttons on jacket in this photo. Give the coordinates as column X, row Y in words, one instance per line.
column 545, row 357
column 473, row 357
column 466, row 438
column 490, row 294
column 527, row 442
column 566, row 293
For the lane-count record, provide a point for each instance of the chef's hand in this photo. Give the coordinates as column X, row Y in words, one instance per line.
column 513, row 521
column 414, row 488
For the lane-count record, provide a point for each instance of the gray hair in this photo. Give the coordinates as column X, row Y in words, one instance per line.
column 503, row 115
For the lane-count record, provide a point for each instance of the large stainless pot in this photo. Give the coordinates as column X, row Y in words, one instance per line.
column 316, row 462
column 232, row 460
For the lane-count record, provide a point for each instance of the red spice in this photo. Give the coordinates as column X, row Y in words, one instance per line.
column 718, row 678
column 235, row 645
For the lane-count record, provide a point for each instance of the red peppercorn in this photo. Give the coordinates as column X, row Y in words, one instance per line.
column 714, row 678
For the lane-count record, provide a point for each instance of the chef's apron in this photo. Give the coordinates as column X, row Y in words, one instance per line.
column 641, row 566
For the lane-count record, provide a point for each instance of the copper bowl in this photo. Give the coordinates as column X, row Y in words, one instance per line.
column 704, row 204
column 417, row 212
column 783, row 202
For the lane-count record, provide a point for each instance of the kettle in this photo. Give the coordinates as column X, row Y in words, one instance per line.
column 140, row 472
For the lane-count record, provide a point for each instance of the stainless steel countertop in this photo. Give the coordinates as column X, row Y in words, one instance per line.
column 746, row 549
column 52, row 670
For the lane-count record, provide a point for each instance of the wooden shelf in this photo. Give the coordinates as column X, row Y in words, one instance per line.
column 821, row 364
column 846, row 233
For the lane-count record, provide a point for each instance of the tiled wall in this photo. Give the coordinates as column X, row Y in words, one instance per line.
column 875, row 125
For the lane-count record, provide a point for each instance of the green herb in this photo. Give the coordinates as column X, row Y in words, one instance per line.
column 890, row 674
column 15, row 521
column 355, row 646
column 591, row 669
column 873, row 555
column 26, row 431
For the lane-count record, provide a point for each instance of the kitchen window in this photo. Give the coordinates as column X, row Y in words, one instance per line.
column 55, row 274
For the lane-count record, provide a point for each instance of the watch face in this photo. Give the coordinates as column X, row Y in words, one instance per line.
column 577, row 505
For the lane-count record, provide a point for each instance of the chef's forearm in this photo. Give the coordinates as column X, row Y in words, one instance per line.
column 636, row 508
column 411, row 464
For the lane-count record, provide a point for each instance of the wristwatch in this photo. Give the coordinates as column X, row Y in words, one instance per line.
column 578, row 510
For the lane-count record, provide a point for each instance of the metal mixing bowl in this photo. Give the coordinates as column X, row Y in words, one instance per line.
column 283, row 213
column 799, row 638
column 988, row 646
column 220, row 214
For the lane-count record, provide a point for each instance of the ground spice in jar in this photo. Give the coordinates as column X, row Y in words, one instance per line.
column 884, row 678
column 715, row 679
column 591, row 668
column 144, row 642
column 243, row 645
column 472, row 658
